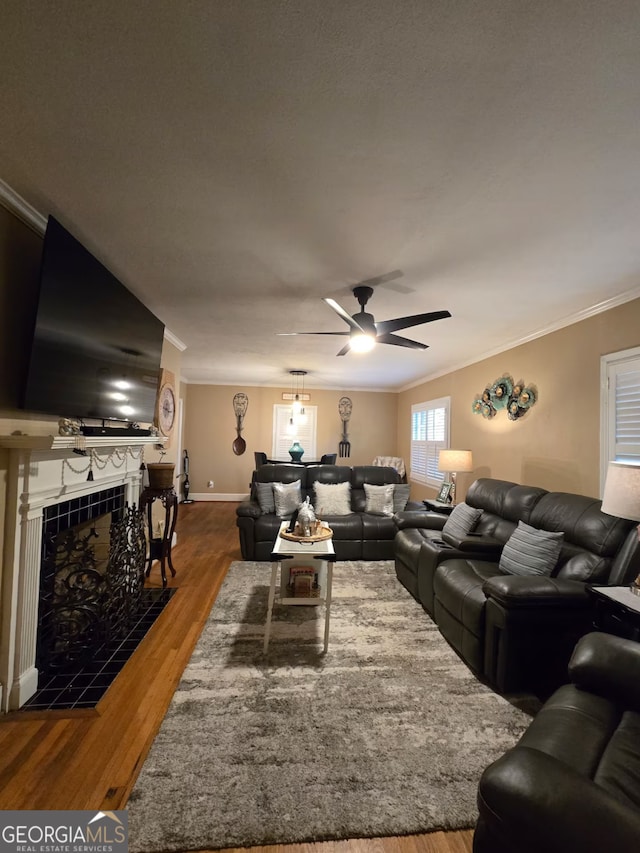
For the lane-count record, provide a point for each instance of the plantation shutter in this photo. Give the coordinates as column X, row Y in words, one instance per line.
column 429, row 435
column 626, row 411
column 283, row 438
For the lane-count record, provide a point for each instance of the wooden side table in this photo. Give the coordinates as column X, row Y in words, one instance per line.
column 160, row 546
column 617, row 611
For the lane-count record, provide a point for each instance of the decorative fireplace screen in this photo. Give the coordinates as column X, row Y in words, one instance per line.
column 92, row 577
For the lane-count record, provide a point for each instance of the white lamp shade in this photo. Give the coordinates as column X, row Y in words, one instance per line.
column 455, row 461
column 622, row 491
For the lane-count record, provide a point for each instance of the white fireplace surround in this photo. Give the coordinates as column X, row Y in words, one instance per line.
column 42, row 472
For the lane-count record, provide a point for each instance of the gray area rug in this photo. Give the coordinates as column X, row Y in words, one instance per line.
column 385, row 735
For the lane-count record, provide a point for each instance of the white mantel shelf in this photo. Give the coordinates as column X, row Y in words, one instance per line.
column 70, row 442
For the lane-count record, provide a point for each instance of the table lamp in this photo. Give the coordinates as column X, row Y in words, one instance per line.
column 454, row 462
column 622, row 497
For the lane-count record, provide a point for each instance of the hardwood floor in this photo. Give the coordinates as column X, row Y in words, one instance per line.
column 91, row 759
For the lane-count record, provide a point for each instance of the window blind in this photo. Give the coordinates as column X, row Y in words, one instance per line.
column 627, row 412
column 429, row 435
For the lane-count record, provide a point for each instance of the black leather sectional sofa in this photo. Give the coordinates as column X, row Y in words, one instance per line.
column 515, row 631
column 357, row 536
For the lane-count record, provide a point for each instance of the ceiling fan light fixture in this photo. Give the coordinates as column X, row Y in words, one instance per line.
column 362, row 343
column 364, row 332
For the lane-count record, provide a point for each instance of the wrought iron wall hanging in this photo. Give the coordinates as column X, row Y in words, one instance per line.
column 515, row 398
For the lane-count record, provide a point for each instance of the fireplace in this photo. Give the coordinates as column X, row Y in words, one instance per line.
column 59, row 482
column 91, row 578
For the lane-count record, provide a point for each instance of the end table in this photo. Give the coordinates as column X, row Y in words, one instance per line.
column 617, row 611
column 160, row 546
column 439, row 506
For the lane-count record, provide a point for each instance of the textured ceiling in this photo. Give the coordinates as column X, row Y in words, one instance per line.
column 233, row 162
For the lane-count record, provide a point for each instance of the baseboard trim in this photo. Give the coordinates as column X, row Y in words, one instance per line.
column 208, row 496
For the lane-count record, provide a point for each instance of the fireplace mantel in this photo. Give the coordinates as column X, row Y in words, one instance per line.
column 64, row 442
column 43, row 471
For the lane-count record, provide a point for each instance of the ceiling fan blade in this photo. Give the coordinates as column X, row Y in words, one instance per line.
column 405, row 322
column 345, row 349
column 381, row 279
column 342, row 313
column 290, row 334
column 399, row 341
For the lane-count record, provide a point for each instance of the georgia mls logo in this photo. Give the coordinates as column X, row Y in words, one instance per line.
column 63, row 832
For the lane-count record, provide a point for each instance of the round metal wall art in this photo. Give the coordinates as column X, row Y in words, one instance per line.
column 515, row 398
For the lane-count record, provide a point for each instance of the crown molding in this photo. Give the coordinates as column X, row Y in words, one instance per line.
column 20, row 208
column 341, row 389
column 572, row 319
column 175, row 341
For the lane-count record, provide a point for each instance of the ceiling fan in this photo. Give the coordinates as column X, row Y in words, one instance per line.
column 365, row 332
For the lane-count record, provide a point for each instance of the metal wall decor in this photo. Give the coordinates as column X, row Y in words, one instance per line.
column 186, row 485
column 345, row 407
column 515, row 398
column 240, row 403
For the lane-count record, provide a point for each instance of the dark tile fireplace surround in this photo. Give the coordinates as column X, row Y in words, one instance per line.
column 93, row 609
column 70, row 531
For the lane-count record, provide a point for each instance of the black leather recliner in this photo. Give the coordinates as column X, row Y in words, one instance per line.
column 572, row 783
column 516, row 631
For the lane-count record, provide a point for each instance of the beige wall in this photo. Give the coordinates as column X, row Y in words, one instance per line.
column 210, row 431
column 557, row 444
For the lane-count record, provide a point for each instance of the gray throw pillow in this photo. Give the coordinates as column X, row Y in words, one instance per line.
column 264, row 492
column 400, row 496
column 460, row 523
column 287, row 498
column 530, row 551
column 332, row 499
column 379, row 499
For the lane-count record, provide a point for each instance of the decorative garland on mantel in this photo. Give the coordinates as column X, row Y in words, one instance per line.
column 117, row 457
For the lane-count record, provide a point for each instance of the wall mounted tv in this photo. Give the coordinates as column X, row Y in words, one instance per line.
column 96, row 348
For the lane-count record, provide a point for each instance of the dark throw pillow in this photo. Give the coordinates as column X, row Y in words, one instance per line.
column 400, row 496
column 530, row 551
column 460, row 523
column 264, row 492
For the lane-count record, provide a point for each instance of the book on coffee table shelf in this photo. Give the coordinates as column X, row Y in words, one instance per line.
column 303, row 582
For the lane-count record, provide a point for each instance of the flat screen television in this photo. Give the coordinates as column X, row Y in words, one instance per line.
column 96, row 348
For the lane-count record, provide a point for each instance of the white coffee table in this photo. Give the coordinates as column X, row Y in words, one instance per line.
column 318, row 555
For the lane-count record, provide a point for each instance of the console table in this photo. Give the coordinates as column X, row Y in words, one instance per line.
column 160, row 546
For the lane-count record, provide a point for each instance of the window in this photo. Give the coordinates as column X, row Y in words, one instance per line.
column 429, row 435
column 283, row 438
column 619, row 409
